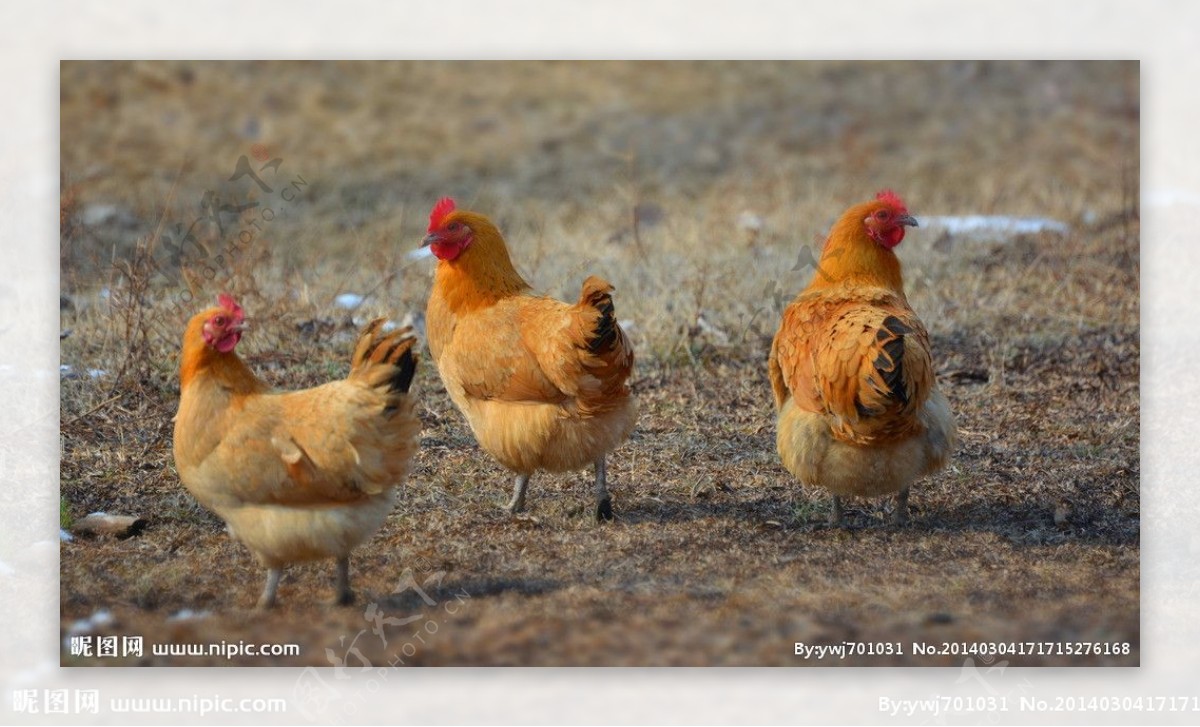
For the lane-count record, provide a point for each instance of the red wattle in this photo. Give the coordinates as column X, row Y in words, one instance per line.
column 446, row 250
column 228, row 343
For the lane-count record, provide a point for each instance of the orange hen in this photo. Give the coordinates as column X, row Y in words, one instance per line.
column 299, row 475
column 852, row 372
column 542, row 383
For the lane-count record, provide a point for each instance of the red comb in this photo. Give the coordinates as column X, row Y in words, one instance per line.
column 444, row 206
column 891, row 198
column 226, row 301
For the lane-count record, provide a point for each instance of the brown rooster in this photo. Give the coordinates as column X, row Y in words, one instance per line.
column 299, row 475
column 859, row 409
column 542, row 383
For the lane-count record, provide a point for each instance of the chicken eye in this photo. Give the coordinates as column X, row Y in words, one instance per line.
column 881, row 215
column 219, row 321
column 453, row 226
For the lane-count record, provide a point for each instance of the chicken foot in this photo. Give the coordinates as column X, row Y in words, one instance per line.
column 603, row 501
column 267, row 599
column 517, row 503
column 900, row 514
column 345, row 596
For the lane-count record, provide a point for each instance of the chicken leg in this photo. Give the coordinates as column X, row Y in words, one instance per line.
column 267, row 599
column 835, row 512
column 345, row 596
column 603, row 501
column 517, row 503
column 900, row 514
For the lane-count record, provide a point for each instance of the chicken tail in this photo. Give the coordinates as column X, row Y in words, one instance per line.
column 890, row 363
column 597, row 293
column 385, row 359
column 605, row 352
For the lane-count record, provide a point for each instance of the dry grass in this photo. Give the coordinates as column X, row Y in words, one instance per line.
column 640, row 173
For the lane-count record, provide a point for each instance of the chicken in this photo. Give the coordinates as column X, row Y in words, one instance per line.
column 859, row 409
column 542, row 383
column 299, row 475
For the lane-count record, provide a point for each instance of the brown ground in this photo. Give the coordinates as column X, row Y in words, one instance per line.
column 639, row 173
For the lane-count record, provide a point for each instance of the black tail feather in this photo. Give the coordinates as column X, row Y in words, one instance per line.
column 604, row 336
column 890, row 362
column 406, row 368
column 597, row 293
column 395, row 348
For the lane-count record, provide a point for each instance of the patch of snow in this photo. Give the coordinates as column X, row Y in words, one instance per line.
column 750, row 221
column 993, row 226
column 416, row 321
column 64, row 536
column 349, row 300
column 187, row 614
column 420, row 253
column 104, row 214
column 86, row 625
column 98, row 214
column 6, row 569
column 96, row 373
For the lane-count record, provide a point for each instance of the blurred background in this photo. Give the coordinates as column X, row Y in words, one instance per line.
column 674, row 174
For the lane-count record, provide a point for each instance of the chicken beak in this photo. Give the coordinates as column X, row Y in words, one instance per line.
column 430, row 239
column 239, row 327
column 907, row 220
